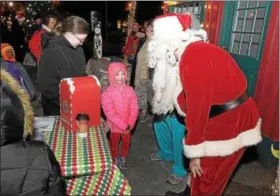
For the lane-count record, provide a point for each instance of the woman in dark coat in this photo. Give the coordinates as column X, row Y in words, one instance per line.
column 62, row 58
column 27, row 167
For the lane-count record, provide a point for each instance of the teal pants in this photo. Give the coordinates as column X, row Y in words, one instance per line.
column 169, row 134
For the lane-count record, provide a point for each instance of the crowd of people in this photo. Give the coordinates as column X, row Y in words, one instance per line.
column 54, row 52
column 200, row 105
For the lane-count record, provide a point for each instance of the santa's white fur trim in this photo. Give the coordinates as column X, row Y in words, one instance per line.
column 226, row 147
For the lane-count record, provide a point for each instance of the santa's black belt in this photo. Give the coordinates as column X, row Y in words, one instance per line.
column 217, row 110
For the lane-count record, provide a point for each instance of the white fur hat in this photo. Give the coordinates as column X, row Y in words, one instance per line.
column 171, row 24
column 181, row 25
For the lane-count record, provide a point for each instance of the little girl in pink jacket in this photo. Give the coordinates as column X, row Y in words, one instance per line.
column 120, row 105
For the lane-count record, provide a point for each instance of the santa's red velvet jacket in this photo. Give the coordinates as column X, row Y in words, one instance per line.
column 210, row 76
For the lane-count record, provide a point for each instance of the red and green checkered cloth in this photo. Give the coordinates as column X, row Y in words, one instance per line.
column 87, row 162
column 106, row 183
column 79, row 156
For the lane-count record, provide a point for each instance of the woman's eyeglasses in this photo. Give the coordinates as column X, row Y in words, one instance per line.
column 149, row 31
column 80, row 40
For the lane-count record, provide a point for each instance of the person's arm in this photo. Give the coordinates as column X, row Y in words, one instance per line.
column 48, row 73
column 35, row 44
column 134, row 110
column 56, row 184
column 110, row 111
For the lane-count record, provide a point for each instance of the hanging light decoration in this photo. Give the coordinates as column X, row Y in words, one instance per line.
column 131, row 8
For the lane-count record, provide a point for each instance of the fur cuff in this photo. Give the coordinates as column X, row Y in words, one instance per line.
column 224, row 147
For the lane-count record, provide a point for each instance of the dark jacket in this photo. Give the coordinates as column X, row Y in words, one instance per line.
column 133, row 68
column 59, row 60
column 28, row 168
column 46, row 38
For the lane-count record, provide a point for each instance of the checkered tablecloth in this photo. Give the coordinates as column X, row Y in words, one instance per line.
column 86, row 162
column 105, row 183
column 79, row 156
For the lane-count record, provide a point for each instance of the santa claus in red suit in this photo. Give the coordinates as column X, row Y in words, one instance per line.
column 204, row 83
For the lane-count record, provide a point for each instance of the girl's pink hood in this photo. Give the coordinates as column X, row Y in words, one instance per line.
column 119, row 101
column 113, row 70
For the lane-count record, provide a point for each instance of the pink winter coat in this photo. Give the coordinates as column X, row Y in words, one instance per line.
column 119, row 102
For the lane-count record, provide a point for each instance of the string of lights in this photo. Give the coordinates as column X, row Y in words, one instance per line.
column 131, row 7
column 131, row 16
column 27, row 11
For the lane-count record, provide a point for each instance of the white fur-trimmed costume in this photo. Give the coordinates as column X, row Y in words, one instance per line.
column 166, row 82
column 208, row 76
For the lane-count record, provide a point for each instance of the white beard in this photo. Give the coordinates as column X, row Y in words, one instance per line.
column 166, row 81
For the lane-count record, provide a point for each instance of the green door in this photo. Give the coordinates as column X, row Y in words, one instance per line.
column 243, row 33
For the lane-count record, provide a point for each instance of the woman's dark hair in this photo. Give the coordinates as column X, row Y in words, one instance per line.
column 149, row 23
column 75, row 24
column 47, row 18
column 82, row 116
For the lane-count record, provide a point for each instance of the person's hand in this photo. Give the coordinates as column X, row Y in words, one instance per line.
column 127, row 131
column 195, row 167
column 176, row 54
column 140, row 34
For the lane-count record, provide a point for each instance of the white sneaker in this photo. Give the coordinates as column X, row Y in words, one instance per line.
column 174, row 179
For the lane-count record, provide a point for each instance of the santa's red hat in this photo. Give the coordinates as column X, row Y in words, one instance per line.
column 184, row 19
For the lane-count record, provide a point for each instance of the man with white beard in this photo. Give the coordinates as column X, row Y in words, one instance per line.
column 204, row 82
column 168, row 125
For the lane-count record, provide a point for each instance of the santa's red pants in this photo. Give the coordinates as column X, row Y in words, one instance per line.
column 216, row 173
column 115, row 141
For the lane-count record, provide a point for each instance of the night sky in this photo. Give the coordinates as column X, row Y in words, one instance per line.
column 116, row 9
